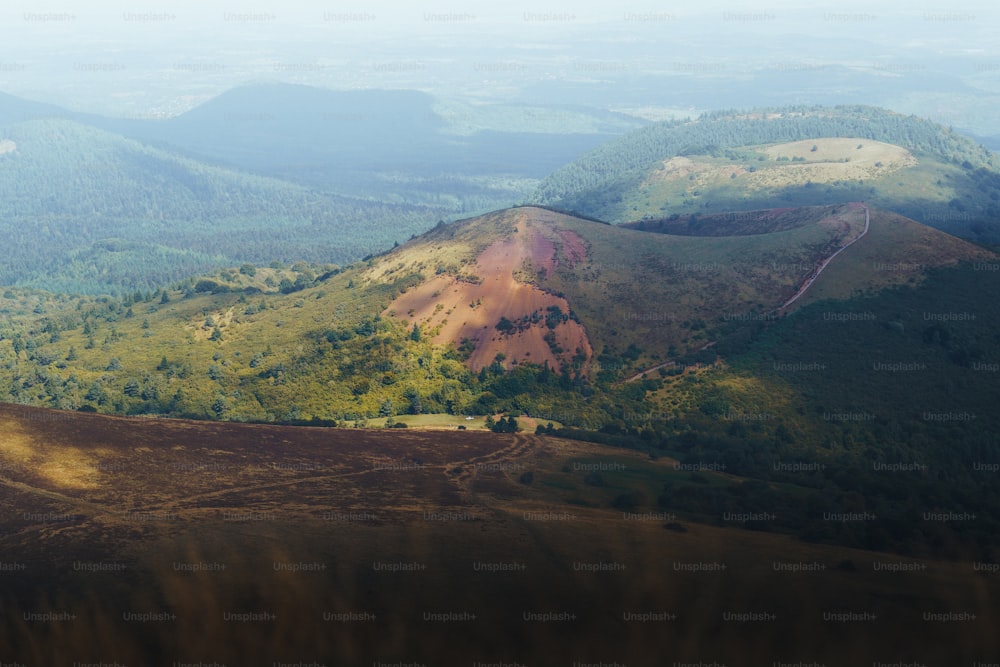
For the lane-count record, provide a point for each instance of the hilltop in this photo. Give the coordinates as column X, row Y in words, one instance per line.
column 794, row 156
column 540, row 286
column 442, row 322
column 682, row 345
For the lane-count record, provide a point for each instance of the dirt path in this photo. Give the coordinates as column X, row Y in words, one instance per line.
column 77, row 503
column 812, row 278
column 179, row 503
column 802, row 290
column 665, row 364
column 522, row 445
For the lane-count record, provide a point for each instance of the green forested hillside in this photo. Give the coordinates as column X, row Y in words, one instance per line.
column 955, row 186
column 639, row 149
column 882, row 405
column 304, row 343
column 83, row 210
column 832, row 387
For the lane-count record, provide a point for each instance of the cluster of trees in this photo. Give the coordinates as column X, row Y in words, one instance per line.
column 506, row 424
column 86, row 353
column 551, row 317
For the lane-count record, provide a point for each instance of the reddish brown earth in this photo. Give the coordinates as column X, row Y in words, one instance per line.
column 454, row 310
column 574, row 248
column 104, row 518
column 102, row 469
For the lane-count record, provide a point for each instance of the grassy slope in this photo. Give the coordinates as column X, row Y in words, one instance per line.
column 658, row 290
column 922, row 187
column 896, row 250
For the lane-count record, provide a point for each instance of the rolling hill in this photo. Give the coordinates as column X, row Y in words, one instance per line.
column 540, row 286
column 671, row 341
column 794, row 156
column 443, row 319
column 84, row 210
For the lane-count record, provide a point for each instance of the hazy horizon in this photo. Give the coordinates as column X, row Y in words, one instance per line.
column 443, row 352
column 159, row 60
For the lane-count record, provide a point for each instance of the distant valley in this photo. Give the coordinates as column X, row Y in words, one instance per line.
column 263, row 173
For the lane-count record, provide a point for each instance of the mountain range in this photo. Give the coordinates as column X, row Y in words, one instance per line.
column 754, row 338
column 264, row 172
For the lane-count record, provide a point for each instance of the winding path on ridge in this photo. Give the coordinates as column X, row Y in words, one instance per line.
column 665, row 364
column 522, row 445
column 812, row 278
column 802, row 290
column 460, row 472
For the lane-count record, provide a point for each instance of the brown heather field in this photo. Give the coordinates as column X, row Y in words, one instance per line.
column 154, row 542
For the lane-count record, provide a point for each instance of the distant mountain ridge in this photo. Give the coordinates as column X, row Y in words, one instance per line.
column 376, row 143
column 351, row 171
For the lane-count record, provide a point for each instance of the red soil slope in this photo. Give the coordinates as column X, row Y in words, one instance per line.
column 454, row 310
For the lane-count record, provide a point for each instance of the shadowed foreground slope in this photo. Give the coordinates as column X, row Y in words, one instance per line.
column 155, row 541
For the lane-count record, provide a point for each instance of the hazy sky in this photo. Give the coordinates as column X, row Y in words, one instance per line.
column 160, row 58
